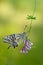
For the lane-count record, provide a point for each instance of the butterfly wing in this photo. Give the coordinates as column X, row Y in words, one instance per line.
column 6, row 39
column 9, row 38
column 18, row 37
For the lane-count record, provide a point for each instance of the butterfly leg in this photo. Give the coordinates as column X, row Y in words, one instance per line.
column 9, row 47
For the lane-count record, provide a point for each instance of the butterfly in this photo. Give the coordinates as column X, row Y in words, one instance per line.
column 14, row 39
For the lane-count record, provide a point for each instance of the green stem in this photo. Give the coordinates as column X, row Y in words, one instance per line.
column 31, row 19
column 30, row 28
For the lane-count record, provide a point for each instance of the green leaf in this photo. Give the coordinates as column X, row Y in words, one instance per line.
column 31, row 17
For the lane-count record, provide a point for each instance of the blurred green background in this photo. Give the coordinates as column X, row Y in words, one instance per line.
column 13, row 15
